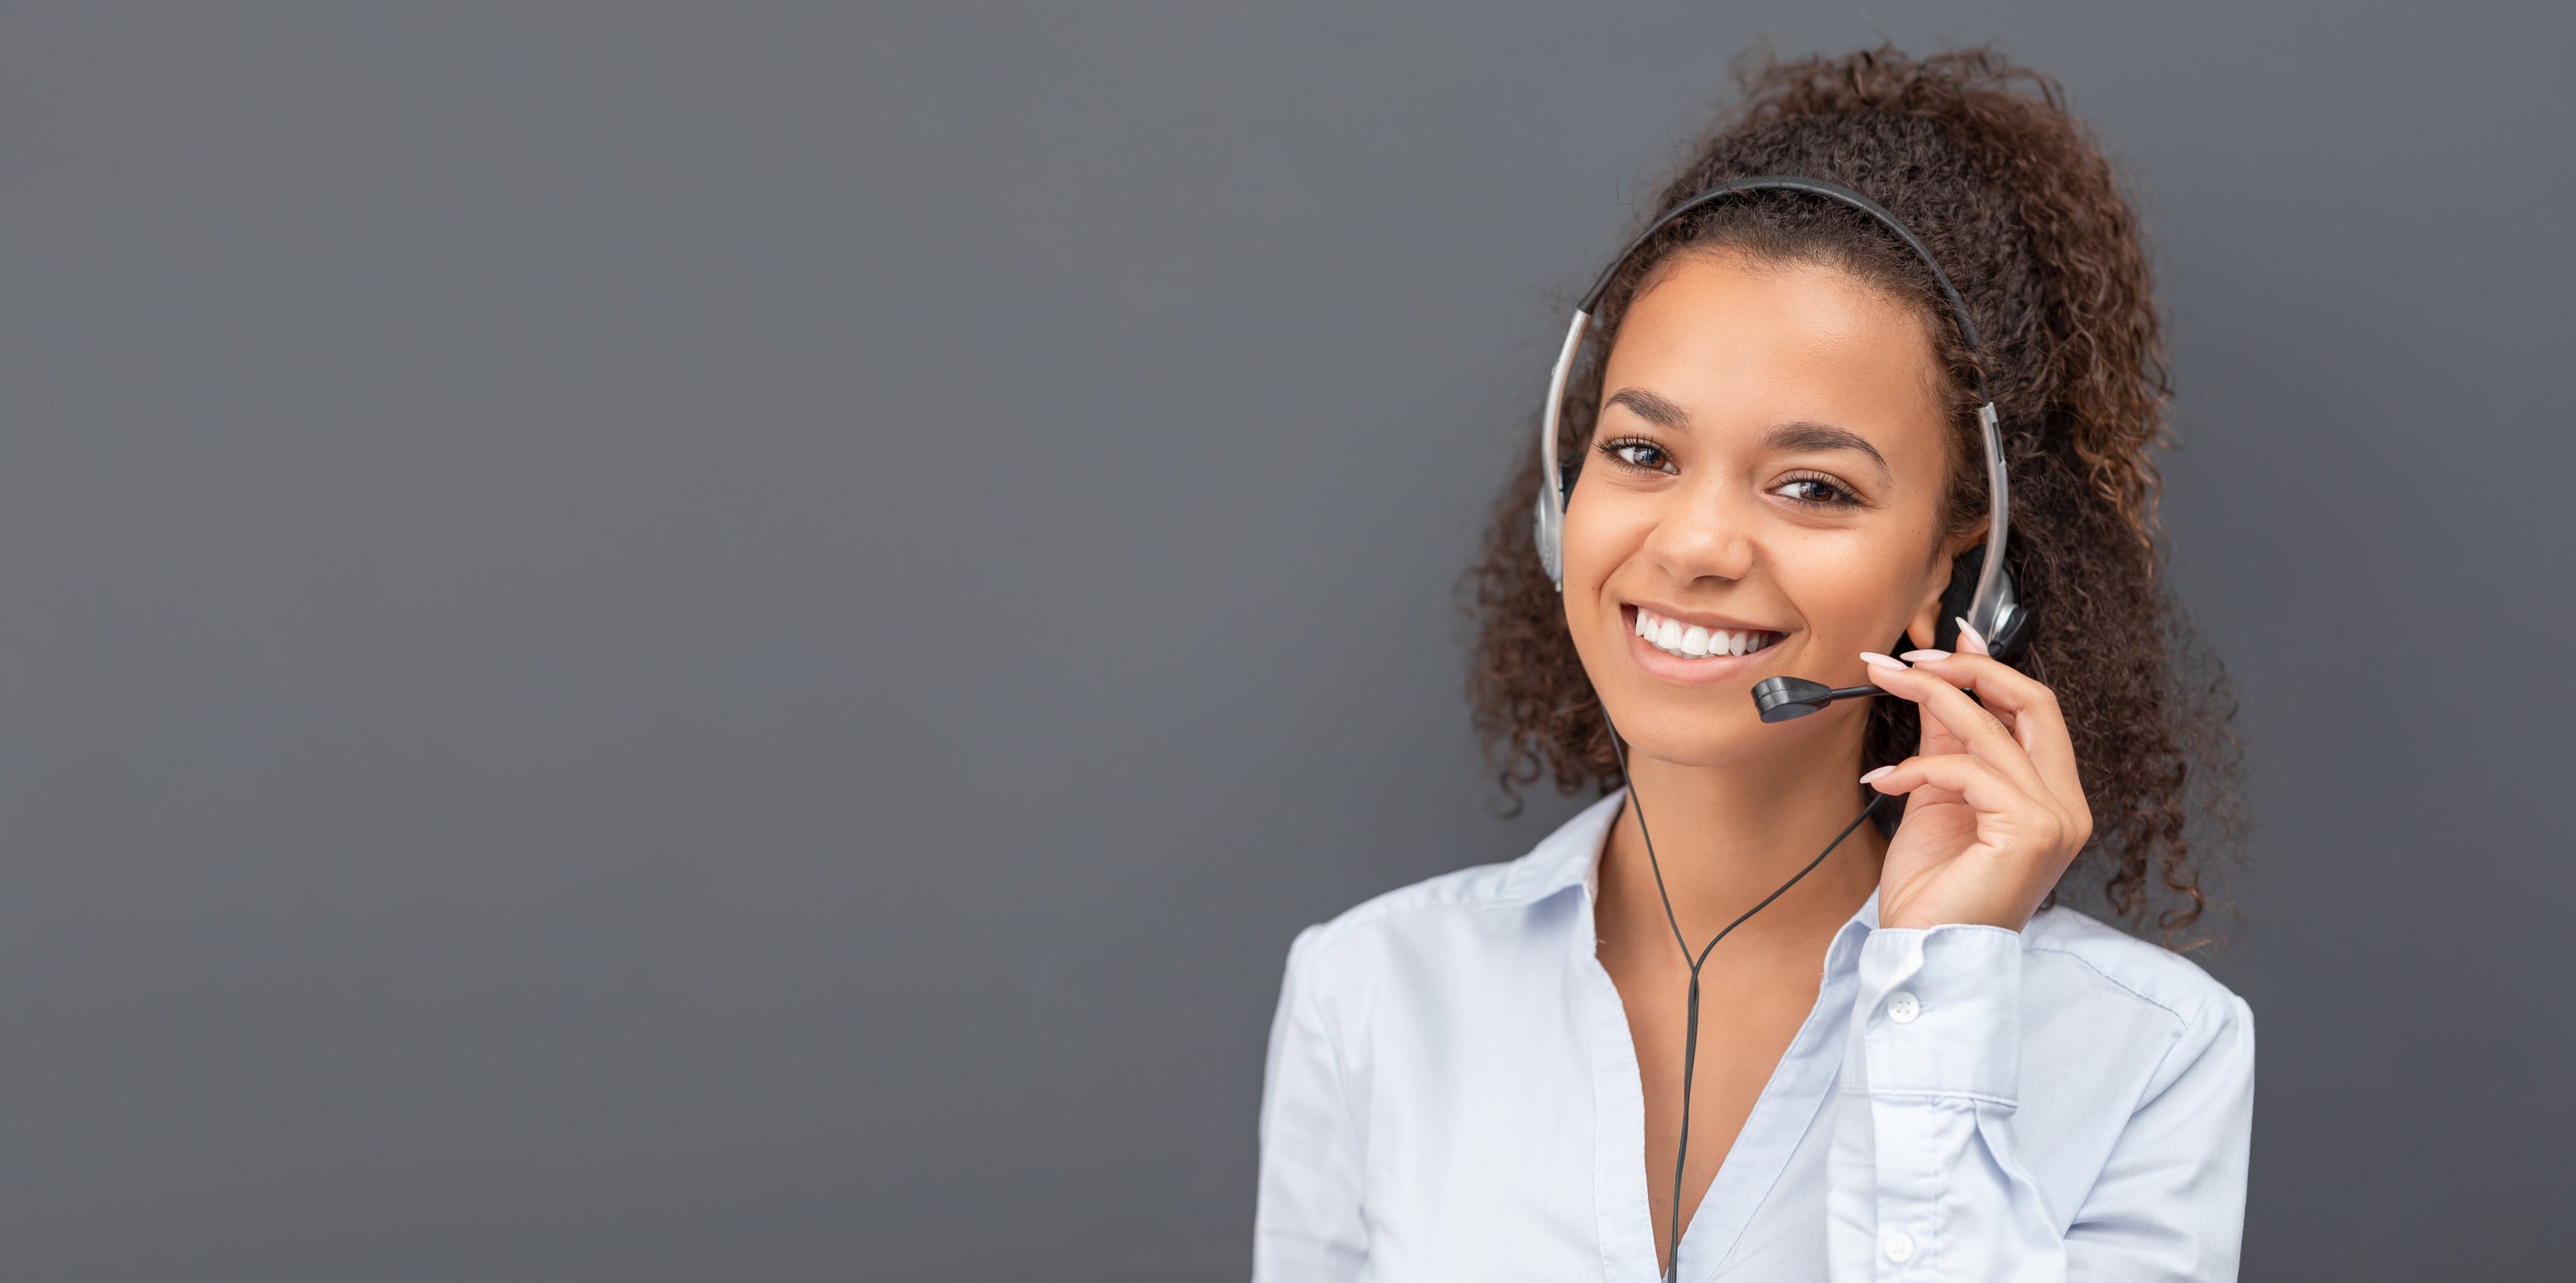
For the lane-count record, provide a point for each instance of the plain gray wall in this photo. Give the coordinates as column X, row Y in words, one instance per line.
column 719, row 641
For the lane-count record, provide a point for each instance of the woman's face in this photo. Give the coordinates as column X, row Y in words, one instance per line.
column 1764, row 489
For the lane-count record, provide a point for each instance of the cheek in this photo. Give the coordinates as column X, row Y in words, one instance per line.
column 1602, row 529
column 1590, row 539
column 1849, row 591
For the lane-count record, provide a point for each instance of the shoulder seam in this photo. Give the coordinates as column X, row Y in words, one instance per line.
column 2123, row 985
column 1393, row 904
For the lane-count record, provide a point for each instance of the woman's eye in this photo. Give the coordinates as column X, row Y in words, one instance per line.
column 1815, row 491
column 1644, row 455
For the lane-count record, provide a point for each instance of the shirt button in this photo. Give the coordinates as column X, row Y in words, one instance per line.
column 1902, row 1007
column 1900, row 1248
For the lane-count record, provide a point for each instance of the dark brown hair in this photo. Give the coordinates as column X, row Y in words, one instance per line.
column 2008, row 190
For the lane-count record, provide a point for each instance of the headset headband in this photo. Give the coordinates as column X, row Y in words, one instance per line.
column 1992, row 609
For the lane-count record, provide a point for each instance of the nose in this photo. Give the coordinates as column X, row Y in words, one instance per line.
column 1708, row 531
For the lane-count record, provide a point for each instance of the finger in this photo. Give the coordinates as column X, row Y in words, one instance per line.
column 2026, row 704
column 1936, row 737
column 1972, row 779
column 2004, row 809
column 1970, row 640
column 1978, row 730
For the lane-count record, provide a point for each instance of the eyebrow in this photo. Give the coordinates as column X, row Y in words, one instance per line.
column 1824, row 436
column 1802, row 435
column 1653, row 409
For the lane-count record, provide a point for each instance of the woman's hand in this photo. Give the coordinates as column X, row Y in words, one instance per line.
column 1995, row 810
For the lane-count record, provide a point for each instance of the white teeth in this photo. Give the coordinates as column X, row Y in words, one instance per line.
column 1695, row 642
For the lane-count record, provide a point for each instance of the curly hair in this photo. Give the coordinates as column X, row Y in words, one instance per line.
column 1983, row 161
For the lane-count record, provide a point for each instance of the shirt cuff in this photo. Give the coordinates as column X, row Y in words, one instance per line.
column 1939, row 1012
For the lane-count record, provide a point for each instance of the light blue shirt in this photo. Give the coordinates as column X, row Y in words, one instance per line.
column 1451, row 1093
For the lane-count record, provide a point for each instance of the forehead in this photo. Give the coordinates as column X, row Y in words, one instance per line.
column 1744, row 345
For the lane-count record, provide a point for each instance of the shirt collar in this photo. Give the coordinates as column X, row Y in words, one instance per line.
column 1571, row 857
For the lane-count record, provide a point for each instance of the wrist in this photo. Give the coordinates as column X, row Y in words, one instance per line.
column 1921, row 912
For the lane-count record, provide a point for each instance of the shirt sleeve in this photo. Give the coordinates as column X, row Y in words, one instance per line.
column 1927, row 1182
column 1307, row 1222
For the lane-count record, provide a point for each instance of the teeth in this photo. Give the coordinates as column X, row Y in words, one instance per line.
column 1695, row 642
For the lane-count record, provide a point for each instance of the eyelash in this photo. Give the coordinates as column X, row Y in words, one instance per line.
column 1843, row 496
column 1612, row 447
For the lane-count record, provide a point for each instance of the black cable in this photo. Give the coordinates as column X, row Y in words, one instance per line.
column 1690, row 1024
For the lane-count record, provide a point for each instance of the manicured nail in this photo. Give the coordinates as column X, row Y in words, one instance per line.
column 1876, row 660
column 1970, row 640
column 1875, row 774
column 1923, row 656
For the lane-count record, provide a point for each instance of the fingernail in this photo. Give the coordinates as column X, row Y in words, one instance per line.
column 1875, row 774
column 1923, row 656
column 1877, row 660
column 1970, row 640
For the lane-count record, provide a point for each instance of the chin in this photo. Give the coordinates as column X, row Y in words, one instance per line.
column 1704, row 727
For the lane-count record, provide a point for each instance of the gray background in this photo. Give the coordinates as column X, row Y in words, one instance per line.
column 651, row 644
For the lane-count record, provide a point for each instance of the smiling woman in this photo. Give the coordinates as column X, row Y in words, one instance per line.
column 1906, row 1062
column 2013, row 199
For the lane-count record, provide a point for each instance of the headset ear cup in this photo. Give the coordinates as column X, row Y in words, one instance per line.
column 1542, row 538
column 1548, row 528
column 2013, row 637
column 1961, row 593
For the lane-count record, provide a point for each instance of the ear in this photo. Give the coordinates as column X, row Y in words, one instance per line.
column 1924, row 628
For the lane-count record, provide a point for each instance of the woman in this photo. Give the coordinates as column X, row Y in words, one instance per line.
column 1897, row 1060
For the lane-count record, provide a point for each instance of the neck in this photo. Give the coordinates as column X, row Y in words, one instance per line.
column 1727, row 836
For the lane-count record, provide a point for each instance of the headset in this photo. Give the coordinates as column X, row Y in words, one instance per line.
column 1980, row 589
